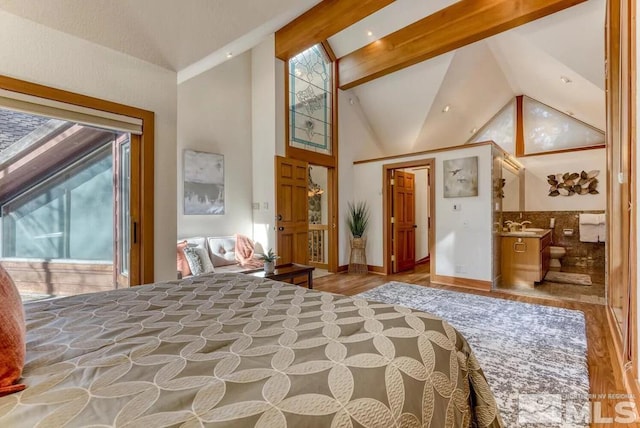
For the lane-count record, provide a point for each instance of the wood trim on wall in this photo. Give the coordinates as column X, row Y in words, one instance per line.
column 386, row 199
column 519, row 127
column 144, row 273
column 555, row 152
column 474, row 284
column 429, row 152
column 379, row 270
column 321, row 22
column 622, row 197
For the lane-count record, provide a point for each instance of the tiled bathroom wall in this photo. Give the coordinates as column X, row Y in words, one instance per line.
column 584, row 254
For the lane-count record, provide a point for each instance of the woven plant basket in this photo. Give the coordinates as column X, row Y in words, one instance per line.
column 358, row 257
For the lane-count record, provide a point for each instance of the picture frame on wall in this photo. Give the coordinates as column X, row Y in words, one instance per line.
column 460, row 177
column 203, row 179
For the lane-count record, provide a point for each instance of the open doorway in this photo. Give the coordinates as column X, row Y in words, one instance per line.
column 318, row 218
column 409, row 199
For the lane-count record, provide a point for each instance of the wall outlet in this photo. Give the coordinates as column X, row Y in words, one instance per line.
column 461, row 269
column 457, row 207
column 265, row 205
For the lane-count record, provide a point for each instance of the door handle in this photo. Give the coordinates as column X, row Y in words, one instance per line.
column 415, row 226
column 279, row 217
column 281, row 228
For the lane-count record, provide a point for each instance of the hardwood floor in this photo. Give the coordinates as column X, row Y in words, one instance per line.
column 604, row 373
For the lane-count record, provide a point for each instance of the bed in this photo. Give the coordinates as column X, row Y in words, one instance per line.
column 231, row 350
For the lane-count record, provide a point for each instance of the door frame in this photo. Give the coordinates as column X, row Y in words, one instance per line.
column 142, row 168
column 386, row 204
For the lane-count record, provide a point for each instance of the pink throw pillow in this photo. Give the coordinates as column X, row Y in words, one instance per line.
column 183, row 265
column 12, row 336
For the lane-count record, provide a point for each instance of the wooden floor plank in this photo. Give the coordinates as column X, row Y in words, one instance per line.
column 604, row 373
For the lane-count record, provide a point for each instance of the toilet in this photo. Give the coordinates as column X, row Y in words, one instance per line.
column 556, row 254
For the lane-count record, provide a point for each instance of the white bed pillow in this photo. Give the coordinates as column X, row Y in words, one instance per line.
column 198, row 260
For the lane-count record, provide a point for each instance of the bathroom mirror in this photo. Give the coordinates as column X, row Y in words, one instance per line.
column 513, row 189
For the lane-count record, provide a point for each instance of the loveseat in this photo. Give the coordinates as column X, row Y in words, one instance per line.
column 219, row 251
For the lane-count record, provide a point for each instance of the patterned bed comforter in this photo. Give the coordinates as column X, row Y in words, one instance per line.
column 230, row 350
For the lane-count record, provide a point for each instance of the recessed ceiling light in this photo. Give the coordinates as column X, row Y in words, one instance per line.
column 474, row 130
column 565, row 79
column 446, row 108
column 369, row 33
column 229, row 54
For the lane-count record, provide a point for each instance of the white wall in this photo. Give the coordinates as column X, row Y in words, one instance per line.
column 463, row 238
column 356, row 141
column 537, row 189
column 264, row 136
column 214, row 115
column 35, row 53
column 511, row 200
column 422, row 213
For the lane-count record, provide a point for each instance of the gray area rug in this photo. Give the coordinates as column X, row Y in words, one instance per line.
column 534, row 357
column 568, row 278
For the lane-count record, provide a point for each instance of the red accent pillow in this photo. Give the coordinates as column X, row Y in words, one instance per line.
column 12, row 336
column 183, row 265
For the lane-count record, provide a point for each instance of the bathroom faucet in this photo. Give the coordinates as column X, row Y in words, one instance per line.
column 524, row 224
column 512, row 225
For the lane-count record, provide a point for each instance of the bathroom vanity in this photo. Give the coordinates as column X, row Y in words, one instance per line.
column 525, row 257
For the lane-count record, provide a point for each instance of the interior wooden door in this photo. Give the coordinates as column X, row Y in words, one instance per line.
column 404, row 221
column 292, row 211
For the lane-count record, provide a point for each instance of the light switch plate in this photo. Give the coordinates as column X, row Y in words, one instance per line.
column 457, row 207
column 256, row 205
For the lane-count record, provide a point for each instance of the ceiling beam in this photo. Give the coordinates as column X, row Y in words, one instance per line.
column 458, row 25
column 321, row 22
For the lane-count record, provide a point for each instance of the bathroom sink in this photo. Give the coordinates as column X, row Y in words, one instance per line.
column 527, row 232
column 534, row 229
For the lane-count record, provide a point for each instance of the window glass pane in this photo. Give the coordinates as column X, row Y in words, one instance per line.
column 310, row 100
column 500, row 129
column 547, row 129
column 69, row 216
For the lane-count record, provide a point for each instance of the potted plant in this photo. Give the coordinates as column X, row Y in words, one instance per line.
column 357, row 221
column 269, row 261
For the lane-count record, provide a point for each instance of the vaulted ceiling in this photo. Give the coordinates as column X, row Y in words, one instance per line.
column 404, row 109
column 170, row 33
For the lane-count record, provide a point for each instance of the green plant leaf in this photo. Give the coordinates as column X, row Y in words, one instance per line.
column 357, row 218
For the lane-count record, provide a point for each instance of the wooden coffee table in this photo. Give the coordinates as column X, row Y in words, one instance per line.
column 287, row 271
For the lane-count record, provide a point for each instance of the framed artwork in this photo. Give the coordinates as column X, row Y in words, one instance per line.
column 461, row 177
column 203, row 183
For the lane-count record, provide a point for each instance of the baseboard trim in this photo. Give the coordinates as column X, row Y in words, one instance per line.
column 376, row 269
column 423, row 260
column 630, row 383
column 453, row 281
column 371, row 268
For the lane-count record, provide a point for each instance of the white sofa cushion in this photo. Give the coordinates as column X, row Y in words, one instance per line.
column 222, row 250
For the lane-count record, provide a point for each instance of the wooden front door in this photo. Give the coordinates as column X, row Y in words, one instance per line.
column 292, row 211
column 404, row 222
